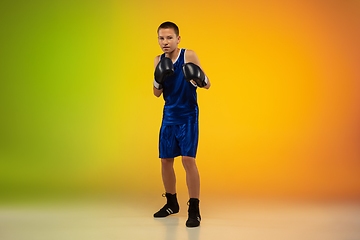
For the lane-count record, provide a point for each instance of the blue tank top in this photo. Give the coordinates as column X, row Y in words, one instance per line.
column 180, row 96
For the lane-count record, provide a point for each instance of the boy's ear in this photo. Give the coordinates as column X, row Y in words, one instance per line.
column 179, row 38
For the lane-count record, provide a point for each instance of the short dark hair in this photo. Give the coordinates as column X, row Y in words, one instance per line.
column 169, row 25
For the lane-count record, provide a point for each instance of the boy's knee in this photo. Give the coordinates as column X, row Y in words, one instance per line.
column 187, row 158
column 167, row 160
column 188, row 161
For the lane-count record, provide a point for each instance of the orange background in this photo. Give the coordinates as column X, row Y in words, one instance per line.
column 280, row 120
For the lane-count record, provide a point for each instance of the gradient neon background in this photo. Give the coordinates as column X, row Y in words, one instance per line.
column 281, row 119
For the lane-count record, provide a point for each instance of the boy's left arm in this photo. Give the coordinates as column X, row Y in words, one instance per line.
column 190, row 56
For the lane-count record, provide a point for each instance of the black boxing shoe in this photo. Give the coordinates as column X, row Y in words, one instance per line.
column 194, row 218
column 171, row 207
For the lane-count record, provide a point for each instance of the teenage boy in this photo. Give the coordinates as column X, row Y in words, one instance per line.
column 177, row 75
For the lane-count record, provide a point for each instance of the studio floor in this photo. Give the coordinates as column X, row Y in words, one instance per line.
column 248, row 220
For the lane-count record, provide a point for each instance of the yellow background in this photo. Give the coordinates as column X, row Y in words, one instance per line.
column 281, row 119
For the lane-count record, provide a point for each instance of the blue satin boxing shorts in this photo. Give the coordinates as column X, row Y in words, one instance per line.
column 178, row 140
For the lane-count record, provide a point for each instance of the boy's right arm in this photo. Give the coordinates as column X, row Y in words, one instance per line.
column 156, row 91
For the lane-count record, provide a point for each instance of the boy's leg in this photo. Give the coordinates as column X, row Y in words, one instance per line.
column 193, row 183
column 168, row 175
column 169, row 180
column 192, row 176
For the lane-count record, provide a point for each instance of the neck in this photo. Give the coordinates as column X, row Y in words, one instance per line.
column 173, row 55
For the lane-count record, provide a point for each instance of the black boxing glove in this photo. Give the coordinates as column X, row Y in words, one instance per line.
column 164, row 69
column 193, row 72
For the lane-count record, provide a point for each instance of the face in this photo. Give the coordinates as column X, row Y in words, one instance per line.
column 168, row 40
